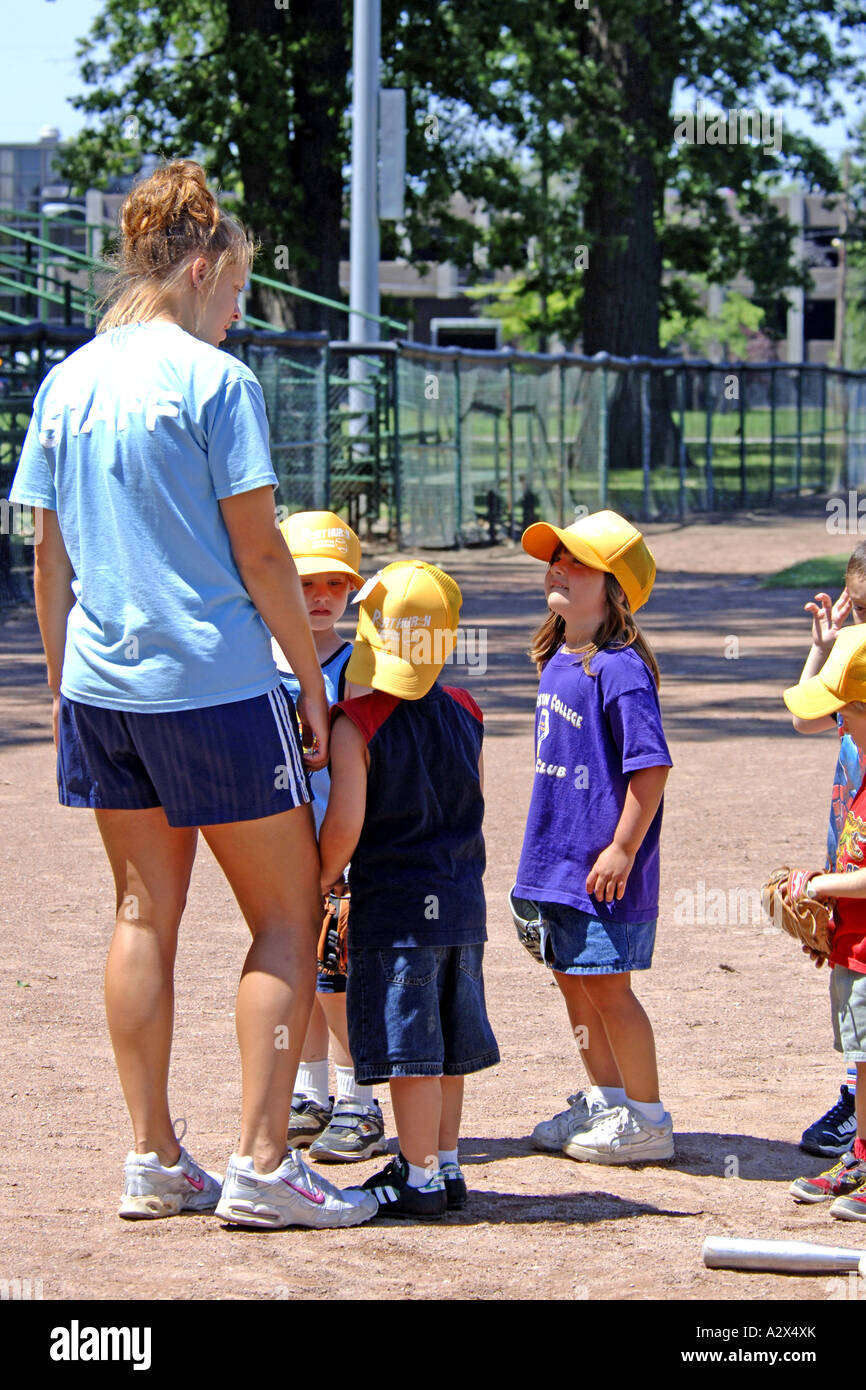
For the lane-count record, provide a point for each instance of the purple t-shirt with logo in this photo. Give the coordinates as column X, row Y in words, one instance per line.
column 591, row 734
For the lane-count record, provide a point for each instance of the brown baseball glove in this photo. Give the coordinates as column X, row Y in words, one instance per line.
column 809, row 920
column 333, row 938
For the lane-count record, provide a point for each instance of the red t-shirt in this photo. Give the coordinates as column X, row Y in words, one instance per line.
column 849, row 914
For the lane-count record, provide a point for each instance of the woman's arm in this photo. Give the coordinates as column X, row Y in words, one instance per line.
column 609, row 874
column 271, row 580
column 52, row 586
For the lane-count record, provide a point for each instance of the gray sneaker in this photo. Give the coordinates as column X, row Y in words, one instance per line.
column 307, row 1121
column 550, row 1135
column 151, row 1191
column 621, row 1135
column 293, row 1195
column 356, row 1132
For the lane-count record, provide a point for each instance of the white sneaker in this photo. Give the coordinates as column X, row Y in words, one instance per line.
column 151, row 1191
column 293, row 1195
column 621, row 1135
column 550, row 1135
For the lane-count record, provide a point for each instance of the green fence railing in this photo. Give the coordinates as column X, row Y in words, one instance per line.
column 446, row 447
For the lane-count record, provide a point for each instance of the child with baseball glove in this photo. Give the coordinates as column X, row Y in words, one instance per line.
column 840, row 688
column 832, row 1134
column 327, row 554
column 406, row 807
column 589, row 869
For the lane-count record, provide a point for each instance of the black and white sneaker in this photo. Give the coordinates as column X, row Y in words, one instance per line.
column 396, row 1198
column 835, row 1132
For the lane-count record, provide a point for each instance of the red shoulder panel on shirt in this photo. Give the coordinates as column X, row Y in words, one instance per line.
column 465, row 699
column 367, row 712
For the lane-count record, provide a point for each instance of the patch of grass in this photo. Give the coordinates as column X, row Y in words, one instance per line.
column 824, row 572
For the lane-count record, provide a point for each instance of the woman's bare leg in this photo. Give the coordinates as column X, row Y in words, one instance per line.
column 151, row 862
column 272, row 865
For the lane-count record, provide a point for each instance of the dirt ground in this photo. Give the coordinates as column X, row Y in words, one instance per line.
column 741, row 1018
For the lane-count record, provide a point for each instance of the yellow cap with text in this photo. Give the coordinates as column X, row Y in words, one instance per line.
column 322, row 543
column 407, row 629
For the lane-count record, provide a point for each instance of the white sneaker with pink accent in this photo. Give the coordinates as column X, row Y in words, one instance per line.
column 293, row 1195
column 151, row 1191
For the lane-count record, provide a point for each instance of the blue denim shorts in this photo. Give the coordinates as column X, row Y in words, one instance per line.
column 418, row 1011
column 576, row 943
column 210, row 766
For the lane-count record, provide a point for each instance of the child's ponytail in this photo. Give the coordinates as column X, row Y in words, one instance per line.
column 618, row 629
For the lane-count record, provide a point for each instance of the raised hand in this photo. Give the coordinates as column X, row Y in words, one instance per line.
column 828, row 618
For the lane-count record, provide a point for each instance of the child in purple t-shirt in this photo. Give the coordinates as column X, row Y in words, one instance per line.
column 589, row 869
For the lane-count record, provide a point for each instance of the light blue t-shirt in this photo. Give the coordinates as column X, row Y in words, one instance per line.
column 134, row 440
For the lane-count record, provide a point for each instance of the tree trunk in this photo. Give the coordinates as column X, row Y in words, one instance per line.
column 316, row 157
column 289, row 136
column 624, row 196
column 261, row 133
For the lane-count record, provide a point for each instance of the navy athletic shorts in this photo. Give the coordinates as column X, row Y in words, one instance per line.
column 232, row 762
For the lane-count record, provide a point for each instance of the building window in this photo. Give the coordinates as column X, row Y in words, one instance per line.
column 819, row 320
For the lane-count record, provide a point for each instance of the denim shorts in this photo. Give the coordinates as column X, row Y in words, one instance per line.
column 418, row 1011
column 211, row 766
column 848, row 1007
column 577, row 943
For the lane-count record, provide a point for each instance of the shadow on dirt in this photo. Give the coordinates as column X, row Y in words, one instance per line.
column 702, row 1154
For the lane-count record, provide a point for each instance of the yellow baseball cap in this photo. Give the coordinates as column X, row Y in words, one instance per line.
column 322, row 543
column 407, row 628
column 840, row 680
column 603, row 541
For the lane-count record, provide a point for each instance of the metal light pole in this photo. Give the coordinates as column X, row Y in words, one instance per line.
column 364, row 248
column 364, row 232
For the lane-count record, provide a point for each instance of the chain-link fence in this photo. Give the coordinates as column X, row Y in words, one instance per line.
column 441, row 447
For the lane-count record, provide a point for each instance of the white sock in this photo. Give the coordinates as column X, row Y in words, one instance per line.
column 349, row 1089
column 312, row 1081
column 418, row 1177
column 447, row 1156
column 609, row 1095
column 652, row 1110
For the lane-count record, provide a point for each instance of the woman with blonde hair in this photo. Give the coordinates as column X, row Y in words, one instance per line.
column 159, row 575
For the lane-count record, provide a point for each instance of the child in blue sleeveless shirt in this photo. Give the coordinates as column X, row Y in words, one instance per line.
column 406, row 807
column 589, row 869
column 327, row 555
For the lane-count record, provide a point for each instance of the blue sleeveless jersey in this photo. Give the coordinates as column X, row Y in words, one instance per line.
column 334, row 673
column 416, row 875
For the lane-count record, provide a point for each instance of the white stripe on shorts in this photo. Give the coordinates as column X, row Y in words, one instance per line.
column 294, row 765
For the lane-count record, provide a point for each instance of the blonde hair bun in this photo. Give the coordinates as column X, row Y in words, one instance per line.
column 168, row 219
column 175, row 202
